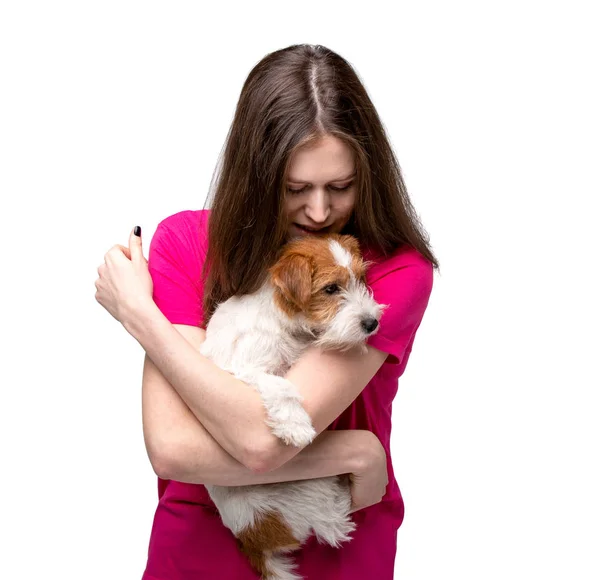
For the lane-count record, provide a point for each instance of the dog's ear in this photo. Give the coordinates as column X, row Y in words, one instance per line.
column 292, row 278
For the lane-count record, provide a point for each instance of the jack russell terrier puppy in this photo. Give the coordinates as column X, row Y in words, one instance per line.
column 314, row 295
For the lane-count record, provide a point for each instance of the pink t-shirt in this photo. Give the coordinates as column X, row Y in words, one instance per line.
column 188, row 540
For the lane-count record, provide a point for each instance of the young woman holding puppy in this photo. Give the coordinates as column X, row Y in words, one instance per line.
column 306, row 155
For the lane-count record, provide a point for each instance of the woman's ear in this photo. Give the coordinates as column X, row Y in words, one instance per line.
column 292, row 278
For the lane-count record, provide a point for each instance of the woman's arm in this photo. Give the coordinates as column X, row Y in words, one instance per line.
column 356, row 452
column 200, row 459
column 180, row 448
column 195, row 457
column 228, row 408
column 328, row 381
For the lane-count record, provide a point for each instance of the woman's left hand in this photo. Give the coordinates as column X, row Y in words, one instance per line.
column 124, row 285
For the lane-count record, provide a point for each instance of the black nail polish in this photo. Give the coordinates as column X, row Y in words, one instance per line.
column 137, row 231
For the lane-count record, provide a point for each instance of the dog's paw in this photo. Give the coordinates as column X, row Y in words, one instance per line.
column 297, row 432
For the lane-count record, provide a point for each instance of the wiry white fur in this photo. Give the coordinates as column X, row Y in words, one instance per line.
column 281, row 567
column 341, row 256
column 253, row 339
column 358, row 304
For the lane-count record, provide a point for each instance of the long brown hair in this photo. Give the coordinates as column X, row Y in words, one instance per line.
column 291, row 97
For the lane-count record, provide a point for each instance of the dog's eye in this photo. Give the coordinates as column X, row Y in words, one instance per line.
column 331, row 289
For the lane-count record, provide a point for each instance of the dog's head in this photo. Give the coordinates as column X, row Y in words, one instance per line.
column 320, row 282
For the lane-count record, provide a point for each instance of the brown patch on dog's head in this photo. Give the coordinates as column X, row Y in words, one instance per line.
column 308, row 277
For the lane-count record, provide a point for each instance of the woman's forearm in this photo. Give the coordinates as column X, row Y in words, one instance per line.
column 230, row 410
column 331, row 453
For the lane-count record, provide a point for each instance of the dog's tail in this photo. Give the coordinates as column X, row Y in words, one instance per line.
column 271, row 565
column 278, row 566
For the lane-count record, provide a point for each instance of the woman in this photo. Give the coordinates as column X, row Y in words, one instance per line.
column 306, row 154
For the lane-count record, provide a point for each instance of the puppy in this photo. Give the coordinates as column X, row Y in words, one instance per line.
column 314, row 295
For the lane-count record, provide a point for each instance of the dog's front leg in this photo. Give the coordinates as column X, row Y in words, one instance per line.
column 286, row 416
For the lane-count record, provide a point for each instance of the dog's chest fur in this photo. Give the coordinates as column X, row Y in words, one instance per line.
column 249, row 332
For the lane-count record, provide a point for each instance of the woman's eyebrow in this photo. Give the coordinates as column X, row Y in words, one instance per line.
column 332, row 181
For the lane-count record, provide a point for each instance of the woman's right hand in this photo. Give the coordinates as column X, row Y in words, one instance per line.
column 369, row 482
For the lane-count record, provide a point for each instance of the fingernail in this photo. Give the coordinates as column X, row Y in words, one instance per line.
column 137, row 231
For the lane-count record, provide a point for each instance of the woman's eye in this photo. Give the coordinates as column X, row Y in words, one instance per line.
column 341, row 188
column 331, row 289
column 297, row 191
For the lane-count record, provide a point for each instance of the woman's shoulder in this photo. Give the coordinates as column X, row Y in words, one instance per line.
column 180, row 240
column 185, row 221
column 184, row 232
column 403, row 281
column 406, row 258
column 175, row 259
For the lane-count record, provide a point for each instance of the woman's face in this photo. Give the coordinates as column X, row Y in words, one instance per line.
column 321, row 188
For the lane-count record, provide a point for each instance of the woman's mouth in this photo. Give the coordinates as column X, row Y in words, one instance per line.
column 311, row 231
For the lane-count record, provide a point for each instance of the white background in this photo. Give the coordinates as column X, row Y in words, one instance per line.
column 112, row 114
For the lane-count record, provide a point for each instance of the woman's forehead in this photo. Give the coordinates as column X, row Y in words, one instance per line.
column 330, row 159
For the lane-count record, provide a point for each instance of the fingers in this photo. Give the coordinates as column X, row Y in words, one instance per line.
column 133, row 252
column 116, row 250
column 135, row 244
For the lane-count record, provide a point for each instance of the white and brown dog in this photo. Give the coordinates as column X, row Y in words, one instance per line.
column 315, row 295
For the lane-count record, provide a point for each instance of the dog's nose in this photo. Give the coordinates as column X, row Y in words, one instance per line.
column 369, row 324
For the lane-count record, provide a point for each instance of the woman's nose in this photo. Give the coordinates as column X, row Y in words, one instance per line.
column 317, row 207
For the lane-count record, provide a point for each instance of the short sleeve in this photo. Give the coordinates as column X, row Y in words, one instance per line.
column 175, row 259
column 406, row 288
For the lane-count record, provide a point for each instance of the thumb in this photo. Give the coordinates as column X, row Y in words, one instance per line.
column 135, row 244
